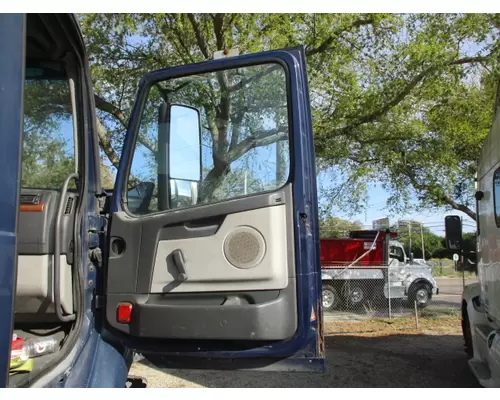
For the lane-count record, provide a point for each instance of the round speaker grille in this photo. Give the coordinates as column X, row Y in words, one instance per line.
column 244, row 247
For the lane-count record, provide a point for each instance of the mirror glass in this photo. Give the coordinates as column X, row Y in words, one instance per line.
column 183, row 193
column 185, row 143
column 453, row 232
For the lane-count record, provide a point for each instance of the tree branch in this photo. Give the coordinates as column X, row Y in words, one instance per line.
column 106, row 106
column 105, row 144
column 439, row 195
column 253, row 78
column 180, row 38
column 219, row 30
column 262, row 138
column 407, row 90
column 202, row 44
column 327, row 43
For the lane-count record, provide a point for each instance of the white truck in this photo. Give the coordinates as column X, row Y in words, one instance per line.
column 363, row 267
column 481, row 300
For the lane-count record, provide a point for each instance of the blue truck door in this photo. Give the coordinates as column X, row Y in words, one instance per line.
column 213, row 245
column 12, row 34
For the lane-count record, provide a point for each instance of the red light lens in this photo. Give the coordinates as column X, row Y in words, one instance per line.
column 124, row 314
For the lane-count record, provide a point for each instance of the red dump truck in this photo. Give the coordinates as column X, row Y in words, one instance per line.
column 359, row 270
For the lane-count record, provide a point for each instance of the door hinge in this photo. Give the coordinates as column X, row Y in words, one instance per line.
column 95, row 256
column 97, row 225
column 98, row 301
column 103, row 202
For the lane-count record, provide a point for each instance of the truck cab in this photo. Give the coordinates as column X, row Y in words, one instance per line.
column 397, row 252
column 481, row 300
column 173, row 263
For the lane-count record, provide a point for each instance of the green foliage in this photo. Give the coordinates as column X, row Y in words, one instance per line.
column 334, row 227
column 417, row 111
column 432, row 242
column 405, row 100
column 469, row 242
column 46, row 160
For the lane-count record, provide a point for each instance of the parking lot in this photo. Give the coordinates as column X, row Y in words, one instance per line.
column 411, row 359
column 358, row 355
column 450, row 289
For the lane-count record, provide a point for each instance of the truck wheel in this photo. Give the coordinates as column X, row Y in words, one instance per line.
column 421, row 293
column 469, row 349
column 355, row 294
column 329, row 297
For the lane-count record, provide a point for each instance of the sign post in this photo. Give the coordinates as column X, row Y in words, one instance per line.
column 455, row 260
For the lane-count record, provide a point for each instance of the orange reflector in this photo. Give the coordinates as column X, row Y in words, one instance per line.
column 31, row 207
column 313, row 315
column 124, row 314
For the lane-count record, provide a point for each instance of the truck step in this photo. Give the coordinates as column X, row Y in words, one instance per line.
column 480, row 370
column 483, row 331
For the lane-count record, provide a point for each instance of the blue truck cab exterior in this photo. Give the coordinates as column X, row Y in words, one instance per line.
column 99, row 356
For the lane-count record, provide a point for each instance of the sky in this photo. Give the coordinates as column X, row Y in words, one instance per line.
column 434, row 220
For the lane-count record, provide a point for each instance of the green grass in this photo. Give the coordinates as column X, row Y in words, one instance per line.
column 439, row 313
column 450, row 273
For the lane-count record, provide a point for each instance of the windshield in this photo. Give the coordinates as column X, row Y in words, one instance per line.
column 397, row 252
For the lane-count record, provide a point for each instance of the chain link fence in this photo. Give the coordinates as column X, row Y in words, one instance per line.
column 389, row 294
column 414, row 290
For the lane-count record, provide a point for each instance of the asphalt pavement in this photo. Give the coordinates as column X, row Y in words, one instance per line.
column 450, row 289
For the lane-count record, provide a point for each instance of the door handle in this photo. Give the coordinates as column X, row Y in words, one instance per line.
column 57, row 251
column 180, row 264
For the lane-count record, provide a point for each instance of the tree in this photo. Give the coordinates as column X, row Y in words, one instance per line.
column 417, row 110
column 468, row 244
column 335, row 227
column 432, row 242
column 409, row 97
column 107, row 175
column 46, row 160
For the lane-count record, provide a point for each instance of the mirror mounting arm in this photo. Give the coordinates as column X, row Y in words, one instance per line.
column 163, row 160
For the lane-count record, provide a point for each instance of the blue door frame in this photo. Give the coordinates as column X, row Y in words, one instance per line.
column 12, row 37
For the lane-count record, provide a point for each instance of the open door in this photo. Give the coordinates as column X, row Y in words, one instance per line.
column 213, row 237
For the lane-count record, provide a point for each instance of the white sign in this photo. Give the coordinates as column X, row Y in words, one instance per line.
column 455, row 257
column 368, row 245
column 227, row 53
column 381, row 223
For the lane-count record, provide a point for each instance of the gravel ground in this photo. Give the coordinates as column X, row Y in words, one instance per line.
column 393, row 360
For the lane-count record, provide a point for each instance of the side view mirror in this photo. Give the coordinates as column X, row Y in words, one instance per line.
column 453, row 232
column 185, row 143
column 411, row 258
column 179, row 152
column 139, row 197
column 183, row 193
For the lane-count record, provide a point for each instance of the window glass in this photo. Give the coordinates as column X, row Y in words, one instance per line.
column 213, row 137
column 48, row 144
column 496, row 188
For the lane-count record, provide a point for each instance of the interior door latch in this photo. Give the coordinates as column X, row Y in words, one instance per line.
column 180, row 264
